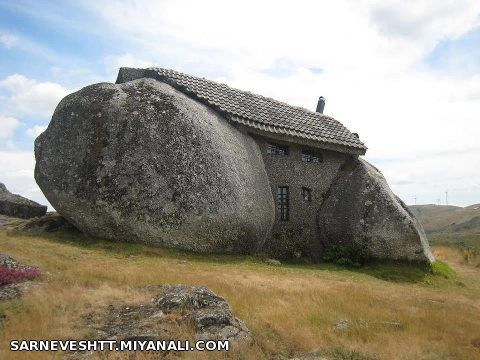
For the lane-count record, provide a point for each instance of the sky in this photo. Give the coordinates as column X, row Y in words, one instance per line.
column 404, row 75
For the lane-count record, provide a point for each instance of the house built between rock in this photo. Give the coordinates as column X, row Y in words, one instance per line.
column 176, row 160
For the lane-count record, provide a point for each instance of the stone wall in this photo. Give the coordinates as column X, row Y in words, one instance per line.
column 298, row 236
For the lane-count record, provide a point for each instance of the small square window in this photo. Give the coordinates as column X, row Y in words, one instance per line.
column 277, row 149
column 306, row 194
column 311, row 156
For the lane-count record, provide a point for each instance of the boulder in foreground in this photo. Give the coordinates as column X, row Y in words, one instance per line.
column 197, row 308
column 17, row 206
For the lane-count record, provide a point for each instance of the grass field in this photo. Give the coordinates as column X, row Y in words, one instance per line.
column 291, row 309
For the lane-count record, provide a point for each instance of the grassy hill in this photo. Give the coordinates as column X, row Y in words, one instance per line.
column 392, row 311
column 450, row 225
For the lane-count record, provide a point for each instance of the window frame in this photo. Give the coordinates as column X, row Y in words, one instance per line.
column 277, row 149
column 283, row 203
column 311, row 156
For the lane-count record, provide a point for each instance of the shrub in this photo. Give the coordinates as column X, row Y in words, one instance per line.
column 346, row 255
column 13, row 276
column 442, row 269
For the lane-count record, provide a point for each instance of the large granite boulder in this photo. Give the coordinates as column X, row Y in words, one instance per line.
column 17, row 206
column 141, row 161
column 361, row 210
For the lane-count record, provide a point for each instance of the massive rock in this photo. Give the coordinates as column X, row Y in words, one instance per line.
column 17, row 206
column 362, row 210
column 141, row 161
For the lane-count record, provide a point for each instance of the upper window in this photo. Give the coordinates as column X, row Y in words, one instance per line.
column 277, row 149
column 311, row 156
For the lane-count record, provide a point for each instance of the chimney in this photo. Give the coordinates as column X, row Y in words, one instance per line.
column 320, row 105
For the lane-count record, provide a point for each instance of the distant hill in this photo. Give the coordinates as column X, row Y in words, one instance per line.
column 453, row 225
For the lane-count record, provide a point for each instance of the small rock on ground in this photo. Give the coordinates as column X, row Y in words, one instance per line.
column 273, row 262
column 344, row 324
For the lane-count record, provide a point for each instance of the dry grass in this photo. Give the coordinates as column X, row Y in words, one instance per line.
column 290, row 309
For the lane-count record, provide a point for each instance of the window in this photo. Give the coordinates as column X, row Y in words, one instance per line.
column 311, row 156
column 277, row 149
column 306, row 194
column 282, row 203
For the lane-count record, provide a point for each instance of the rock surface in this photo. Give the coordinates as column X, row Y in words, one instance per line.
column 361, row 209
column 141, row 161
column 274, row 262
column 50, row 222
column 17, row 206
column 210, row 313
column 196, row 307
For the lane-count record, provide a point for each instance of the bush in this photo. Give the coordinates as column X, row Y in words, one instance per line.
column 346, row 255
column 442, row 269
column 13, row 276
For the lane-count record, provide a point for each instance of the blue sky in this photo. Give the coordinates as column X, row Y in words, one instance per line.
column 406, row 77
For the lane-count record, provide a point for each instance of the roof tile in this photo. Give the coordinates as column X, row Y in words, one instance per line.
column 257, row 111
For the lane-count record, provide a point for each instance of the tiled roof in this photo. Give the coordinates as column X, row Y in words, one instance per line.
column 256, row 111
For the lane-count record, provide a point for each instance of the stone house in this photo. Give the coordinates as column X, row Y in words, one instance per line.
column 302, row 150
column 170, row 159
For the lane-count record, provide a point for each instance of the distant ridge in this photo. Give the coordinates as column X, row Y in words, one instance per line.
column 448, row 218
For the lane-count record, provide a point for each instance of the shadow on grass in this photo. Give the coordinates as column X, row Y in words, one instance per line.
column 126, row 249
column 391, row 271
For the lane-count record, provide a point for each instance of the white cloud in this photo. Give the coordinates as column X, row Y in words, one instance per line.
column 7, row 126
column 426, row 20
column 429, row 177
column 8, row 40
column 36, row 130
column 127, row 60
column 19, row 177
column 27, row 96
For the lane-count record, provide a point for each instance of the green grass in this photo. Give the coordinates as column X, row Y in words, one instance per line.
column 439, row 268
column 386, row 270
column 291, row 309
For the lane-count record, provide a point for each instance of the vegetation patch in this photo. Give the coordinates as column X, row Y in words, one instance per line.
column 440, row 268
column 351, row 254
column 13, row 276
column 342, row 353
